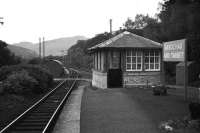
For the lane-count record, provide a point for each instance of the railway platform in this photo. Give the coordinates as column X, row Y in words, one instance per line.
column 123, row 110
column 69, row 119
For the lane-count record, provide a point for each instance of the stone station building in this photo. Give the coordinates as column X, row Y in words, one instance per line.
column 126, row 60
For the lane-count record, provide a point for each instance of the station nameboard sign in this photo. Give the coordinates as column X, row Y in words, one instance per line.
column 174, row 50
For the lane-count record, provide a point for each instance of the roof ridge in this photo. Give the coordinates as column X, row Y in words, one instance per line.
column 154, row 42
column 113, row 39
column 107, row 42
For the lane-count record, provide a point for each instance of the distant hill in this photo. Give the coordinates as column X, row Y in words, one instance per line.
column 22, row 52
column 53, row 47
column 27, row 45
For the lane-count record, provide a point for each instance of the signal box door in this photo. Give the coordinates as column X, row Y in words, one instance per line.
column 114, row 78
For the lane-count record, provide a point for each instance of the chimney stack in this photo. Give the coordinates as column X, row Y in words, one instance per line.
column 110, row 26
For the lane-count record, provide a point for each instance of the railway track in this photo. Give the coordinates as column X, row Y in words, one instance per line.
column 41, row 117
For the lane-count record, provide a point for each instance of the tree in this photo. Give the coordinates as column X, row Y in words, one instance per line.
column 140, row 22
column 180, row 19
column 6, row 57
column 144, row 25
column 129, row 24
column 78, row 56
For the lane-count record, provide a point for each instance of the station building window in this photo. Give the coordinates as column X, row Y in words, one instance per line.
column 133, row 60
column 152, row 61
column 99, row 61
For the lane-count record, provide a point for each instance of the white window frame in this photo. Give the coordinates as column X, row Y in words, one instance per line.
column 136, row 63
column 154, row 62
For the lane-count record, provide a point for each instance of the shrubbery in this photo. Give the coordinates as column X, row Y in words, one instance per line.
column 35, row 61
column 19, row 82
column 25, row 78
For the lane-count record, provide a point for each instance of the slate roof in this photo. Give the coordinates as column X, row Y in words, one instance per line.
column 127, row 40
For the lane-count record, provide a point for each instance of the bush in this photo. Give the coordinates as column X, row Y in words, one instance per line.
column 19, row 83
column 1, row 88
column 41, row 75
column 35, row 61
column 194, row 110
column 159, row 90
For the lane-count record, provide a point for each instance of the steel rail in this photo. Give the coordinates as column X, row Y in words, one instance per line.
column 58, row 108
column 56, row 112
column 30, row 108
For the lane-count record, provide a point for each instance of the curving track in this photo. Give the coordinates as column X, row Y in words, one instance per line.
column 41, row 117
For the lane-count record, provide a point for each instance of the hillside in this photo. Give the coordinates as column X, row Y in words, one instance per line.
column 53, row 47
column 27, row 45
column 79, row 57
column 22, row 52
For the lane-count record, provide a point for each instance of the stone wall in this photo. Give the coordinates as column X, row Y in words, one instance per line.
column 141, row 78
column 99, row 79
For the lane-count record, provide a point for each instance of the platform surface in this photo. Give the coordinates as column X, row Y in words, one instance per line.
column 122, row 110
column 69, row 119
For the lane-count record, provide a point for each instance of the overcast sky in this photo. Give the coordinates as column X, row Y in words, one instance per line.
column 26, row 20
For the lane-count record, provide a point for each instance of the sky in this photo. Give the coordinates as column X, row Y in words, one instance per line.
column 27, row 20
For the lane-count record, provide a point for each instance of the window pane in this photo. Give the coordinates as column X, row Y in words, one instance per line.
column 128, row 66
column 146, row 66
column 128, row 59
column 156, row 59
column 156, row 66
column 128, row 53
column 151, row 60
column 133, row 59
column 134, row 66
column 151, row 66
column 139, row 53
column 146, row 59
column 152, row 53
column 139, row 59
column 156, row 53
column 133, row 53
column 139, row 66
column 146, row 53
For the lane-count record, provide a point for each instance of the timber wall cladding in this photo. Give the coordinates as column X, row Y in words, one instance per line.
column 141, row 78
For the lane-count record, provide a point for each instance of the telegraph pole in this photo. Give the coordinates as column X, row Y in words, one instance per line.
column 63, row 55
column 185, row 71
column 39, row 47
column 43, row 44
column 1, row 22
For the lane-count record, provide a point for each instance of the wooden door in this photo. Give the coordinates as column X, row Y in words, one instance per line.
column 114, row 78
